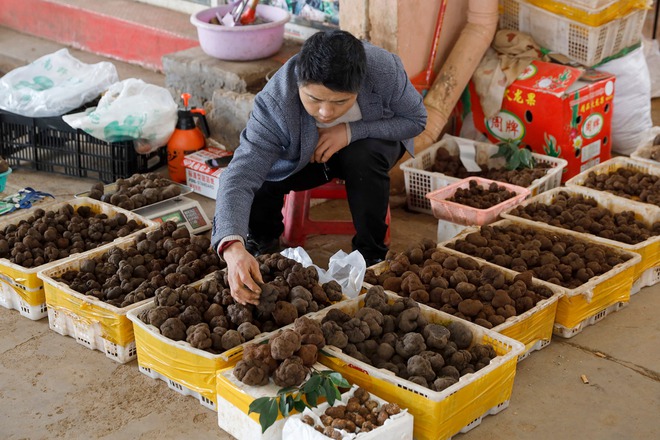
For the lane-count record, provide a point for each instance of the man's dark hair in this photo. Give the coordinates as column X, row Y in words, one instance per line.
column 334, row 59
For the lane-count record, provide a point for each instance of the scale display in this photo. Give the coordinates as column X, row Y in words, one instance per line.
column 182, row 210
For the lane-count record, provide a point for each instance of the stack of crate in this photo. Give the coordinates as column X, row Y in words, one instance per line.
column 586, row 31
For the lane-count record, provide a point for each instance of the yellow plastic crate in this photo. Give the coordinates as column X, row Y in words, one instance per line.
column 533, row 328
column 649, row 249
column 437, row 414
column 578, row 306
column 187, row 370
column 25, row 281
column 93, row 323
column 611, row 166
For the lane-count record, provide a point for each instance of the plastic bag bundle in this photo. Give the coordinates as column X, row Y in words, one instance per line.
column 54, row 84
column 347, row 269
column 130, row 110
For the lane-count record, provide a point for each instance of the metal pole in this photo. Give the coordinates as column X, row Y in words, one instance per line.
column 655, row 19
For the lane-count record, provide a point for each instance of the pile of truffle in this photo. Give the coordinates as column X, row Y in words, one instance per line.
column 222, row 323
column 137, row 191
column 47, row 236
column 166, row 256
column 291, row 290
column 584, row 214
column 479, row 197
column 396, row 335
column 628, row 183
column 559, row 259
column 458, row 285
column 360, row 414
column 287, row 357
column 450, row 165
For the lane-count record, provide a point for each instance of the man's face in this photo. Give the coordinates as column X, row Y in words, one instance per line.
column 323, row 104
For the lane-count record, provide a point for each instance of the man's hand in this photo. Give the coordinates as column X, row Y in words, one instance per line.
column 243, row 274
column 331, row 140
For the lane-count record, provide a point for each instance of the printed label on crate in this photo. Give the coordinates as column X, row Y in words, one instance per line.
column 200, row 182
column 199, row 176
column 592, row 125
column 590, row 151
column 197, row 160
column 506, row 126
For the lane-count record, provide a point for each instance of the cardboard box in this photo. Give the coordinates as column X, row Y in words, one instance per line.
column 555, row 110
column 199, row 176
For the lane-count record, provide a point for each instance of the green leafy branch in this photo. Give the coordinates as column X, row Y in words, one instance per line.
column 320, row 384
column 516, row 157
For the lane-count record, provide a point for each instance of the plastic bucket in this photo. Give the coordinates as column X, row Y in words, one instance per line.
column 3, row 179
column 241, row 43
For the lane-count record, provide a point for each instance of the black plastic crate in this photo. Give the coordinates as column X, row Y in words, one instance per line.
column 53, row 146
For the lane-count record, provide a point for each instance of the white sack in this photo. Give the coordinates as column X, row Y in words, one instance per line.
column 631, row 116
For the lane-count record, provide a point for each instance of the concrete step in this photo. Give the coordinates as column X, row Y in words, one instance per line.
column 124, row 30
column 18, row 49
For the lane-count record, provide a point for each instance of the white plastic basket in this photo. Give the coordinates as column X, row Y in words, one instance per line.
column 89, row 334
column 10, row 299
column 650, row 277
column 398, row 426
column 420, row 180
column 585, row 44
column 591, row 12
column 643, row 152
column 179, row 388
column 564, row 332
column 649, row 249
column 611, row 166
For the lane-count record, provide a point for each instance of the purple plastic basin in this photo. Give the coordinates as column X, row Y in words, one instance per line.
column 241, row 43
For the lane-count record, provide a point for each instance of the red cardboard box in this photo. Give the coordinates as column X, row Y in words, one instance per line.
column 555, row 110
column 199, row 176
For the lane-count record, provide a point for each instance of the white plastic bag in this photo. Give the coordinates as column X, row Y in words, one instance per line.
column 130, row 110
column 631, row 113
column 54, row 84
column 347, row 269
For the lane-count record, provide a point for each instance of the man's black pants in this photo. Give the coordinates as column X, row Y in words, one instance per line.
column 364, row 165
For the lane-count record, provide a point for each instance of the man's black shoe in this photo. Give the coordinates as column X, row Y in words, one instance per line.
column 257, row 248
column 373, row 261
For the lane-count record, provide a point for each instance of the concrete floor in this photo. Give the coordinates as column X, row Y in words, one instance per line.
column 51, row 387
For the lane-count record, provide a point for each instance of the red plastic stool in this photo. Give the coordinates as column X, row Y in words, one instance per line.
column 298, row 225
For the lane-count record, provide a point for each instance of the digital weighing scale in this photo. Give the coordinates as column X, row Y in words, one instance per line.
column 180, row 209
